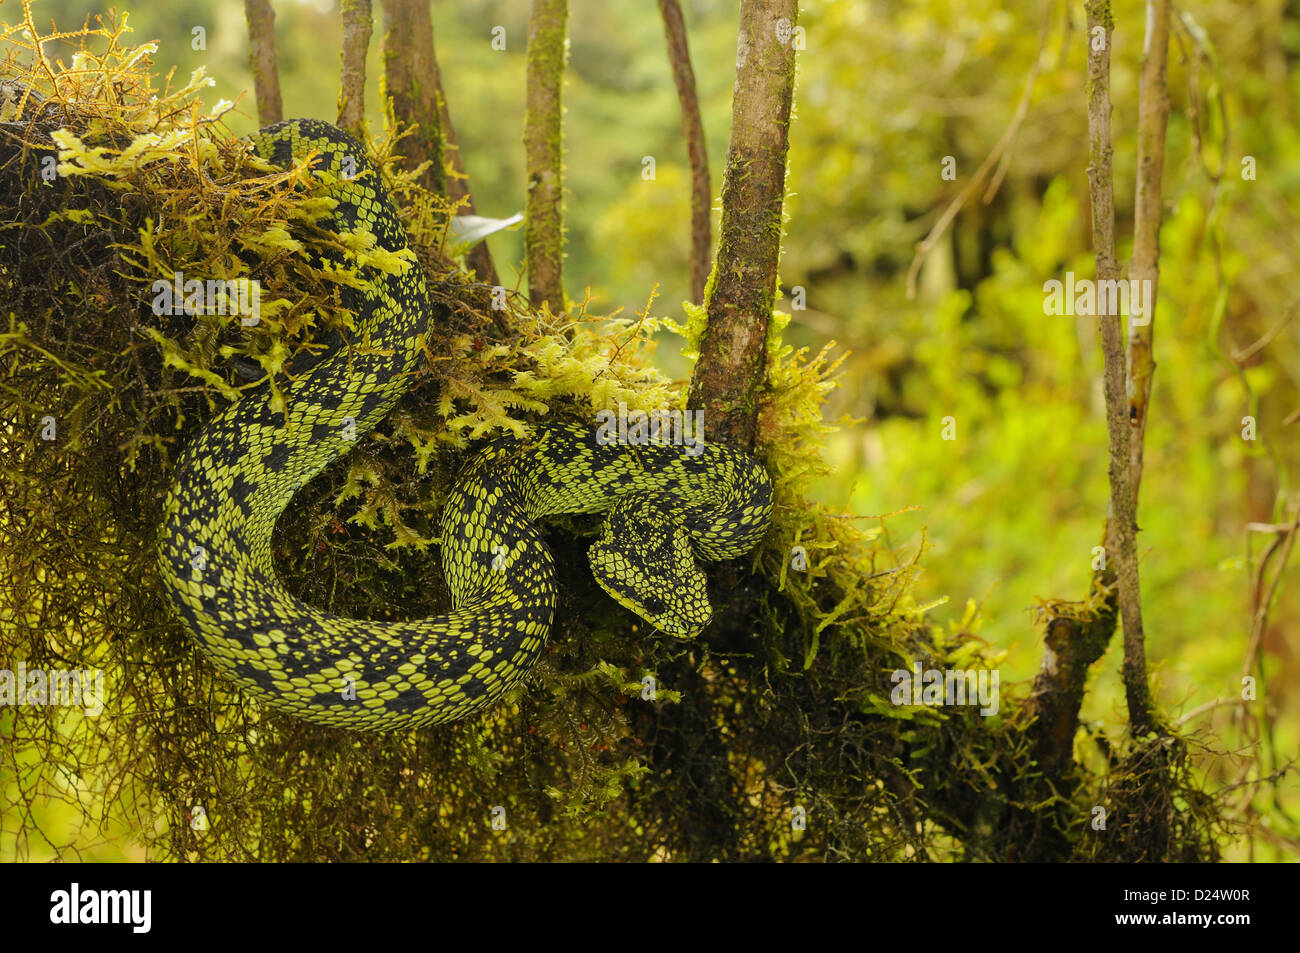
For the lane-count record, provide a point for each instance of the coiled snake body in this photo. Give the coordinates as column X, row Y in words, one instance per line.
column 664, row 506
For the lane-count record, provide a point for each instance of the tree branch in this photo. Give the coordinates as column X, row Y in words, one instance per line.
column 358, row 25
column 261, row 60
column 1076, row 637
column 679, row 55
column 740, row 295
column 479, row 257
column 543, row 149
column 1153, row 119
column 1121, row 541
column 408, row 63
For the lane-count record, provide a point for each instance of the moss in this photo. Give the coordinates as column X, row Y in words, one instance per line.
column 543, row 147
column 1100, row 11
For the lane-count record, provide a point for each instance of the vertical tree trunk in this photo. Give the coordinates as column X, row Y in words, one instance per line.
column 479, row 257
column 1153, row 119
column 739, row 299
column 408, row 70
column 543, row 146
column 261, row 60
column 1121, row 542
column 679, row 55
column 358, row 24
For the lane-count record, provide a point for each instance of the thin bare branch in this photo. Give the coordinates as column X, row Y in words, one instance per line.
column 1121, row 537
column 479, row 257
column 1153, row 119
column 679, row 55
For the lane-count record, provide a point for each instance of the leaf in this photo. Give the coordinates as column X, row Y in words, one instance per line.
column 466, row 231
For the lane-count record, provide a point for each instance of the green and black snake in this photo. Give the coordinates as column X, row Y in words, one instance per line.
column 665, row 506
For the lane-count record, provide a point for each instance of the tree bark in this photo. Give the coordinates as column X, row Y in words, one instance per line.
column 543, row 148
column 1121, row 540
column 733, row 350
column 479, row 257
column 261, row 60
column 679, row 55
column 358, row 25
column 1153, row 119
column 1075, row 639
column 408, row 65
column 1072, row 644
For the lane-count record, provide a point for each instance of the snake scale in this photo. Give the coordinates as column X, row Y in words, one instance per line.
column 664, row 507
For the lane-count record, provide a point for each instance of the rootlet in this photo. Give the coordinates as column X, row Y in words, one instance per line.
column 102, row 906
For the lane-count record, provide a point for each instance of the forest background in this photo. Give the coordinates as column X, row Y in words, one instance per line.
column 1006, row 514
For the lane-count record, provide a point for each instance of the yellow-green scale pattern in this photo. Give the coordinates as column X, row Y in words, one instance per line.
column 666, row 505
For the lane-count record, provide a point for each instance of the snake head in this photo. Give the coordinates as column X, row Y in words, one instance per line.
column 644, row 560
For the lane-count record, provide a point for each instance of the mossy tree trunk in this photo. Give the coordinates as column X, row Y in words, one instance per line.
column 261, row 60
column 543, row 151
column 408, row 81
column 741, row 292
column 358, row 25
column 726, row 385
